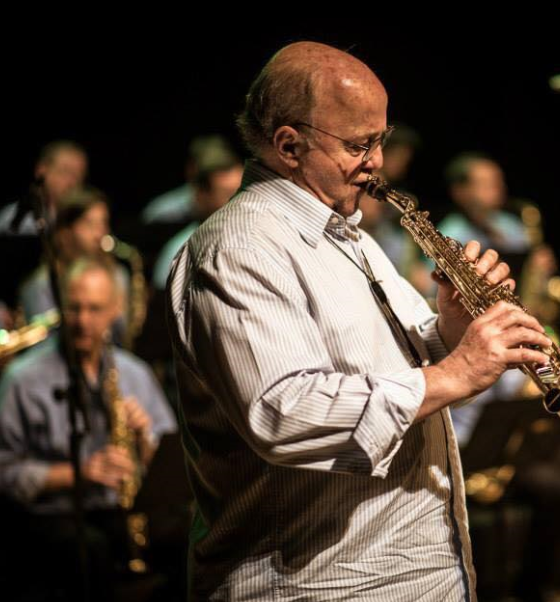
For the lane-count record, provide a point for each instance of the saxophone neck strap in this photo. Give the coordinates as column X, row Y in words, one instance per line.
column 398, row 330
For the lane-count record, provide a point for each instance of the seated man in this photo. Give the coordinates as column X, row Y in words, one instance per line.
column 35, row 469
column 218, row 178
column 478, row 189
column 62, row 166
column 80, row 229
column 179, row 204
column 81, row 223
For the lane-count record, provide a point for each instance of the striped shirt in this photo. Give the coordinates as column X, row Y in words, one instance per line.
column 312, row 481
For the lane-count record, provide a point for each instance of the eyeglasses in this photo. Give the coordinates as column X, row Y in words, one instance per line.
column 369, row 149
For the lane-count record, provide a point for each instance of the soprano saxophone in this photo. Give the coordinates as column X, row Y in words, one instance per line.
column 123, row 437
column 477, row 294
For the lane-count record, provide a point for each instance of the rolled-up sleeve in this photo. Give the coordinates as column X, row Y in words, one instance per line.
column 260, row 350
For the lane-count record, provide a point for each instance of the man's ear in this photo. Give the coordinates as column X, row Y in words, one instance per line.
column 289, row 145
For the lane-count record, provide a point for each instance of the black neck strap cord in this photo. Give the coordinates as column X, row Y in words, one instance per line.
column 399, row 331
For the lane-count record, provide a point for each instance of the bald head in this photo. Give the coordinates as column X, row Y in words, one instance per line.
column 339, row 71
column 300, row 81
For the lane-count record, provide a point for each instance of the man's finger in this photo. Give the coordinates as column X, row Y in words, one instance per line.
column 498, row 273
column 487, row 262
column 472, row 250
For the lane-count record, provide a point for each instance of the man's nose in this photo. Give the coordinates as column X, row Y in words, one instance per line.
column 375, row 162
column 83, row 318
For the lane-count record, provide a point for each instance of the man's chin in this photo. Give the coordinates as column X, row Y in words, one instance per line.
column 359, row 198
column 351, row 202
column 84, row 346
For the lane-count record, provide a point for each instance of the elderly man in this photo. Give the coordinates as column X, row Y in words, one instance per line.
column 218, row 176
column 319, row 442
column 35, row 468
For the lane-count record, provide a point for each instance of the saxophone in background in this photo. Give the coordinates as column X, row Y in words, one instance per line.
column 123, row 437
column 137, row 298
column 14, row 341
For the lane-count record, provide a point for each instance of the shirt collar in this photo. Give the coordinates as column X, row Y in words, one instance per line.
column 305, row 212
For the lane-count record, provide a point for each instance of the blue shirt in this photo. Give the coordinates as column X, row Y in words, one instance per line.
column 173, row 206
column 166, row 255
column 513, row 236
column 35, row 430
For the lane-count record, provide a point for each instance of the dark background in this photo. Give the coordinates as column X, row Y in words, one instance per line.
column 134, row 96
column 134, row 91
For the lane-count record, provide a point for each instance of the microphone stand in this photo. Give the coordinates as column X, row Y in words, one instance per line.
column 75, row 394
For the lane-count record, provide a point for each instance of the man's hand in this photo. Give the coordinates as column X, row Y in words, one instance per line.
column 453, row 317
column 109, row 466
column 141, row 423
column 498, row 340
column 137, row 418
column 493, row 343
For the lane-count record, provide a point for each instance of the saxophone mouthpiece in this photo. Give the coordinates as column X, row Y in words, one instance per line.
column 376, row 188
column 381, row 191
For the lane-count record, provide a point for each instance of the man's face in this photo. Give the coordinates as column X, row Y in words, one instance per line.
column 91, row 309
column 397, row 161
column 332, row 170
column 223, row 185
column 66, row 171
column 486, row 185
column 90, row 229
column 485, row 189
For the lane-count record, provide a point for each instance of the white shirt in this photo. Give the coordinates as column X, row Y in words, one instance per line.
column 312, row 481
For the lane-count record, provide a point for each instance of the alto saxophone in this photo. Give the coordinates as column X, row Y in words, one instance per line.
column 477, row 294
column 123, row 437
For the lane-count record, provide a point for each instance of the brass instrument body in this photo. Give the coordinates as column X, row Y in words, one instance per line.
column 477, row 294
column 137, row 301
column 123, row 437
column 14, row 341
